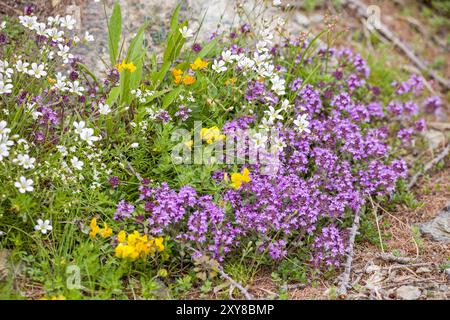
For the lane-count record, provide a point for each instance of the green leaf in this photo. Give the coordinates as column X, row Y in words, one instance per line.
column 113, row 95
column 208, row 48
column 171, row 96
column 114, row 33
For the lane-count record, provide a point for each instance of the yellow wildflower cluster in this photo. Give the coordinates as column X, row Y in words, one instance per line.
column 211, row 135
column 237, row 179
column 95, row 229
column 135, row 246
column 178, row 75
column 126, row 66
column 199, row 64
column 230, row 81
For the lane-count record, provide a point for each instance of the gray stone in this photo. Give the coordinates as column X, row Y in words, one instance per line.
column 435, row 138
column 408, row 293
column 302, row 19
column 438, row 229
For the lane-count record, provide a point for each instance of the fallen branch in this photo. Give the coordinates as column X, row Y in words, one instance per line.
column 345, row 277
column 391, row 258
column 361, row 10
column 244, row 291
column 428, row 166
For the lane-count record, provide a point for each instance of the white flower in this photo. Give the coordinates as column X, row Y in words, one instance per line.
column 273, row 114
column 77, row 164
column 104, row 109
column 64, row 53
column 186, row 32
column 55, row 35
column 261, row 46
column 259, row 140
column 278, row 85
column 22, row 66
column 277, row 144
column 4, row 151
column 76, row 88
column 219, row 66
column 25, row 161
column 302, row 124
column 24, row 185
column 87, row 135
column 37, row 70
column 40, row 29
column 53, row 20
column 134, row 145
column 228, row 56
column 5, row 87
column 88, row 37
column 246, row 63
column 276, row 3
column 3, row 25
column 285, row 105
column 3, row 128
column 28, row 21
column 43, row 226
column 79, row 126
column 62, row 150
column 67, row 22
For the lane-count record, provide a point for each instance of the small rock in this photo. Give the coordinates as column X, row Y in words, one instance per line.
column 302, row 19
column 434, row 138
column 447, row 271
column 423, row 270
column 408, row 293
column 438, row 229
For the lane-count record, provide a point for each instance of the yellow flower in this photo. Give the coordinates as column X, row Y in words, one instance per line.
column 126, row 66
column 159, row 243
column 237, row 179
column 51, row 80
column 106, row 231
column 199, row 64
column 130, row 67
column 177, row 72
column 189, row 144
column 122, row 237
column 211, row 134
column 230, row 81
column 188, row 80
column 94, row 228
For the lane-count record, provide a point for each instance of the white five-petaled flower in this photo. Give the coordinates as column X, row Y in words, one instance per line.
column 67, row 22
column 24, row 185
column 228, row 56
column 104, row 109
column 273, row 114
column 43, row 226
column 276, row 3
column 259, row 140
column 55, row 34
column 25, row 161
column 77, row 164
column 64, row 53
column 278, row 85
column 79, row 126
column 3, row 25
column 76, row 88
column 37, row 70
column 302, row 123
column 186, row 32
column 87, row 135
column 3, row 128
column 219, row 66
column 5, row 87
column 22, row 66
column 88, row 37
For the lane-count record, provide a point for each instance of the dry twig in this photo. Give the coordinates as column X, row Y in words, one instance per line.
column 391, row 258
column 429, row 165
column 383, row 30
column 345, row 277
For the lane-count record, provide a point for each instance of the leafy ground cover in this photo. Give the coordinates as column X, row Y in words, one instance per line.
column 249, row 152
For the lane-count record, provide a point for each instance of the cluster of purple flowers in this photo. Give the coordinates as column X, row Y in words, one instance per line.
column 323, row 176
